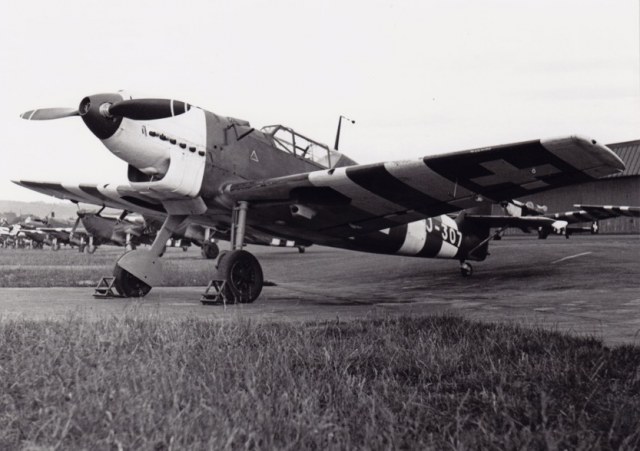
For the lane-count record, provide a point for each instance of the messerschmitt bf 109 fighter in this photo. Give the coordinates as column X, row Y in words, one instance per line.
column 131, row 231
column 532, row 217
column 49, row 231
column 194, row 166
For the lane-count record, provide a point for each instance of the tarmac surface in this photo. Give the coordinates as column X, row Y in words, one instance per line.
column 587, row 285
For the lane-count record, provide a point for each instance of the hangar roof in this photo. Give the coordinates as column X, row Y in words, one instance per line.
column 630, row 153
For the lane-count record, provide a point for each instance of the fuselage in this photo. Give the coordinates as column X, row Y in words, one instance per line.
column 196, row 153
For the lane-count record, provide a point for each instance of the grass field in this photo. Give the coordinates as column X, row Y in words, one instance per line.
column 134, row 380
column 430, row 383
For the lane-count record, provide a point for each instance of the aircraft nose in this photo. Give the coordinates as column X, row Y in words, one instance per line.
column 94, row 111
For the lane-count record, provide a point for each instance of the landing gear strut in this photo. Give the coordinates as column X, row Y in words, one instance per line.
column 240, row 270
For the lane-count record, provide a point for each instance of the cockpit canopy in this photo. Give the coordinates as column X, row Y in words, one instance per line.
column 292, row 142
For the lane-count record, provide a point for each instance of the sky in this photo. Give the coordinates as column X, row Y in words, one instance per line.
column 418, row 77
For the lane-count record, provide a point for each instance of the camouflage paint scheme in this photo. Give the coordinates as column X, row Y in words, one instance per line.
column 185, row 161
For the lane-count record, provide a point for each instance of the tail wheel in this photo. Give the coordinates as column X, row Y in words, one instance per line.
column 210, row 250
column 301, row 249
column 91, row 249
column 466, row 269
column 129, row 285
column 243, row 276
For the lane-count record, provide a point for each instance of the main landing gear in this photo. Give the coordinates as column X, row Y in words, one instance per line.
column 242, row 274
column 139, row 270
column 136, row 272
column 239, row 269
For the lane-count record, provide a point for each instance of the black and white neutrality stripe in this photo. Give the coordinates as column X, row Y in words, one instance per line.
column 589, row 213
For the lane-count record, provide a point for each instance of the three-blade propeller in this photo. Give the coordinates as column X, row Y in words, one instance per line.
column 136, row 109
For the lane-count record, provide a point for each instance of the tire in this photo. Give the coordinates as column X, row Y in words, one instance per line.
column 466, row 269
column 210, row 251
column 301, row 249
column 129, row 285
column 243, row 276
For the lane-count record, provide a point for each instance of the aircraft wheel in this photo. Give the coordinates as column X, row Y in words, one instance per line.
column 466, row 269
column 243, row 276
column 210, row 251
column 185, row 248
column 301, row 249
column 129, row 285
column 91, row 249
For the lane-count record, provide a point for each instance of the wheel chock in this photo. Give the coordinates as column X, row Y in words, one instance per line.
column 214, row 293
column 106, row 289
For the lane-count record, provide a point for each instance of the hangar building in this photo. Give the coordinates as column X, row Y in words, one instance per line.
column 618, row 189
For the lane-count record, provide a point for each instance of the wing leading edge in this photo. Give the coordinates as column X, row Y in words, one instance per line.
column 122, row 197
column 363, row 198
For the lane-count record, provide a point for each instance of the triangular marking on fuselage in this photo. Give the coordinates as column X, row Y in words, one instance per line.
column 254, row 157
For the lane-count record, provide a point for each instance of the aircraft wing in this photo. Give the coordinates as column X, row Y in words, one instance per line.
column 357, row 199
column 55, row 229
column 521, row 222
column 122, row 197
column 589, row 213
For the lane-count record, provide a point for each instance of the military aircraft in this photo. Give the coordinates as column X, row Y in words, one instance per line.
column 131, row 231
column 529, row 216
column 587, row 213
column 6, row 239
column 194, row 166
column 48, row 231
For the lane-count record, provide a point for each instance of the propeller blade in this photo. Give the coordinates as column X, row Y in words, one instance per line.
column 46, row 114
column 148, row 109
column 75, row 226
